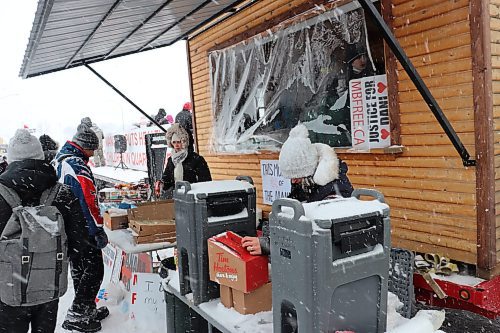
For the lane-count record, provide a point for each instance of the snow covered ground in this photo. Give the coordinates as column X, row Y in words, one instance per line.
column 424, row 322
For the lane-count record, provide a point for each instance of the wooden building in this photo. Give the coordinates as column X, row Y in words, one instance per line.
column 437, row 204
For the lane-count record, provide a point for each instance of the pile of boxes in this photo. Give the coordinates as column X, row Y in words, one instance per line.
column 151, row 222
column 243, row 278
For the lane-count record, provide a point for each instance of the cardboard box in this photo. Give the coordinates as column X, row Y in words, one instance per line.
column 114, row 221
column 226, row 296
column 232, row 265
column 152, row 218
column 156, row 238
column 256, row 301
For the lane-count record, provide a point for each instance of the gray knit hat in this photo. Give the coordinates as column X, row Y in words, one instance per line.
column 24, row 146
column 86, row 138
column 87, row 121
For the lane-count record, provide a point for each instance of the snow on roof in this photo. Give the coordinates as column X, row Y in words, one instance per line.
column 220, row 186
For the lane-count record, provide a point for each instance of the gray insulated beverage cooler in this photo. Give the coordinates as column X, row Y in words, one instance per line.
column 203, row 210
column 330, row 263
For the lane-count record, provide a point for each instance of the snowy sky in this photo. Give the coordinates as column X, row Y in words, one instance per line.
column 55, row 103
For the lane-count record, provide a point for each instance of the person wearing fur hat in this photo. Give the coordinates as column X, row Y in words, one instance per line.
column 49, row 147
column 87, row 270
column 183, row 164
column 316, row 174
column 29, row 175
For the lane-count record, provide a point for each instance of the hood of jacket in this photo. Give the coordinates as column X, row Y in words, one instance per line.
column 29, row 178
column 72, row 149
column 327, row 169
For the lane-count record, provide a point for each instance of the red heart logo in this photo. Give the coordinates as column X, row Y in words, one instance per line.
column 385, row 133
column 381, row 87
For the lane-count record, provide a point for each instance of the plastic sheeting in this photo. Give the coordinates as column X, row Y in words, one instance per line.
column 262, row 88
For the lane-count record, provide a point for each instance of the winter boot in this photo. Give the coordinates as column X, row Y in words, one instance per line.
column 101, row 313
column 85, row 323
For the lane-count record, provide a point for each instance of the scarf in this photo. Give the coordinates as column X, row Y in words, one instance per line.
column 177, row 158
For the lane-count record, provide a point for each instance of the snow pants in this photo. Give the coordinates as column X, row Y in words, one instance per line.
column 87, row 271
column 16, row 319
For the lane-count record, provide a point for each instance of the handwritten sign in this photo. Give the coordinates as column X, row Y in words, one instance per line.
column 369, row 105
column 147, row 301
column 274, row 185
column 132, row 263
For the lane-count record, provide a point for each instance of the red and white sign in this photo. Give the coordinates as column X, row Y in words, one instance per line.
column 369, row 104
column 147, row 303
column 135, row 155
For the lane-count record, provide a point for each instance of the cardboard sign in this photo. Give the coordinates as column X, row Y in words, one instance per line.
column 109, row 255
column 135, row 263
column 232, row 265
column 147, row 301
column 274, row 185
column 369, row 105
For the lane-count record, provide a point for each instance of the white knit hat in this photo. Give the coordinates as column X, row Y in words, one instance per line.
column 298, row 157
column 24, row 146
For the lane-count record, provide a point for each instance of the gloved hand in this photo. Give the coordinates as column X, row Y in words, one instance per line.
column 101, row 238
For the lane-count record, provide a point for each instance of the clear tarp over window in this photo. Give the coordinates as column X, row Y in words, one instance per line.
column 263, row 87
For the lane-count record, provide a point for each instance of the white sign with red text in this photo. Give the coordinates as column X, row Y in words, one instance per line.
column 369, row 105
column 135, row 155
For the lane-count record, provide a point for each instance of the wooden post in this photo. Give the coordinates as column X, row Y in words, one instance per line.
column 483, row 123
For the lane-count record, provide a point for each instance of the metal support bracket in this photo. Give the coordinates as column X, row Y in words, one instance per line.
column 400, row 54
column 125, row 97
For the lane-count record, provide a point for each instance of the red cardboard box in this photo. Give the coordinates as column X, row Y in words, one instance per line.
column 231, row 265
column 256, row 301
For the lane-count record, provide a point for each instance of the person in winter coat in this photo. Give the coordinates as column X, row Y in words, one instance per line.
column 316, row 174
column 184, row 164
column 29, row 175
column 160, row 117
column 99, row 160
column 3, row 164
column 185, row 119
column 87, row 270
column 49, row 147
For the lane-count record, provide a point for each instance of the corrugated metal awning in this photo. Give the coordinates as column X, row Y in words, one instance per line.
column 70, row 33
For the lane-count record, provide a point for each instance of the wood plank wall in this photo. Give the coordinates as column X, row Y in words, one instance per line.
column 495, row 53
column 431, row 195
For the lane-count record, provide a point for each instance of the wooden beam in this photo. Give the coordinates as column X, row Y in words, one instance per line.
column 195, row 137
column 391, row 66
column 483, row 115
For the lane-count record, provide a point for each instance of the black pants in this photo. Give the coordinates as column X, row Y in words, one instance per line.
column 16, row 319
column 87, row 271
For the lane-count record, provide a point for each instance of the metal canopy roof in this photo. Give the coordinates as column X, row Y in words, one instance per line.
column 70, row 33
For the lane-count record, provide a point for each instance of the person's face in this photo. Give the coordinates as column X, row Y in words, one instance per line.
column 360, row 63
column 177, row 145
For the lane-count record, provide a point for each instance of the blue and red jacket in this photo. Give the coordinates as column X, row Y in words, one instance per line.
column 72, row 169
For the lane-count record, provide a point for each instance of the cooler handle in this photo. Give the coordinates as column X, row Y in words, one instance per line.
column 245, row 178
column 180, row 184
column 298, row 209
column 357, row 193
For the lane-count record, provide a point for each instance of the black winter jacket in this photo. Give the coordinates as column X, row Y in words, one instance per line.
column 195, row 171
column 340, row 186
column 29, row 178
